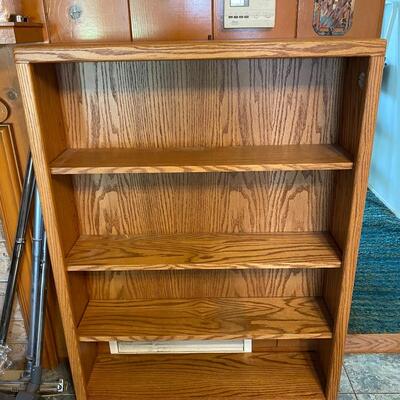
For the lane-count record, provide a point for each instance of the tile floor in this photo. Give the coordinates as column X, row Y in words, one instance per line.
column 371, row 377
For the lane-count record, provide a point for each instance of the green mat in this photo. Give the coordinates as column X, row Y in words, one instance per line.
column 376, row 300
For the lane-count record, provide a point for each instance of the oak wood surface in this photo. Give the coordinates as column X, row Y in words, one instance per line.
column 220, row 376
column 192, row 203
column 191, row 284
column 203, row 251
column 39, row 95
column 204, row 319
column 162, row 105
column 201, row 104
column 172, row 20
column 226, row 159
column 356, row 136
column 373, row 343
column 199, row 50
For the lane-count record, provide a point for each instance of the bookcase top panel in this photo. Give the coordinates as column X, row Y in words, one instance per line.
column 199, row 50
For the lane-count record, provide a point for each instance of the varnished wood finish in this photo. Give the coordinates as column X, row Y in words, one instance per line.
column 20, row 32
column 218, row 251
column 39, row 92
column 87, row 20
column 171, row 20
column 285, row 23
column 111, row 230
column 366, row 23
column 35, row 10
column 359, row 119
column 373, row 343
column 202, row 50
column 227, row 159
column 191, row 284
column 203, row 319
column 191, row 203
column 201, row 104
column 219, row 376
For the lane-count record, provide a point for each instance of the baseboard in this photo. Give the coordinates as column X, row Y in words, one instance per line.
column 373, row 343
column 386, row 204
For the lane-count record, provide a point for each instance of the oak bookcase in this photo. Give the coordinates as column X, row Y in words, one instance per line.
column 204, row 190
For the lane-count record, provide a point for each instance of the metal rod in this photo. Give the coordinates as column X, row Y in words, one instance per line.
column 36, row 375
column 18, row 249
column 37, row 239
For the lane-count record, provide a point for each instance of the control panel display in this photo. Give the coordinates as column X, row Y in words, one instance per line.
column 249, row 14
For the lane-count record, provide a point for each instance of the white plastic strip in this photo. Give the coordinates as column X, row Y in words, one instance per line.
column 182, row 347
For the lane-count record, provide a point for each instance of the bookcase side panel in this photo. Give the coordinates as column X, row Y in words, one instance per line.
column 46, row 135
column 362, row 88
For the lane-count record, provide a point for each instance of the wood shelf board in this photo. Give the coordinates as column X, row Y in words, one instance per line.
column 204, row 251
column 223, row 159
column 205, row 319
column 206, row 376
column 198, row 50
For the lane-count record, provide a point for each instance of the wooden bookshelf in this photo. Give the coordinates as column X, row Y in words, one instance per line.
column 223, row 159
column 239, row 376
column 204, row 251
column 202, row 319
column 198, row 191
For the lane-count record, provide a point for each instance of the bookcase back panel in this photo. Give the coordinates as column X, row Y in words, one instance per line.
column 198, row 284
column 170, row 104
column 201, row 203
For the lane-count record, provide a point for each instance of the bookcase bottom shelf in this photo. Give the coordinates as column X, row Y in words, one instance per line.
column 207, row 376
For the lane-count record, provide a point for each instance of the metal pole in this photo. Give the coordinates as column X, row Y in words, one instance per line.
column 37, row 238
column 19, row 244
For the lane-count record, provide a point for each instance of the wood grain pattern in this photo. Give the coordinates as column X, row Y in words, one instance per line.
column 197, row 284
column 95, row 20
column 219, row 376
column 224, row 159
column 192, row 203
column 359, row 119
column 200, row 50
column 39, row 95
column 172, row 20
column 204, row 319
column 201, row 104
column 373, row 343
column 218, row 251
column 285, row 23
